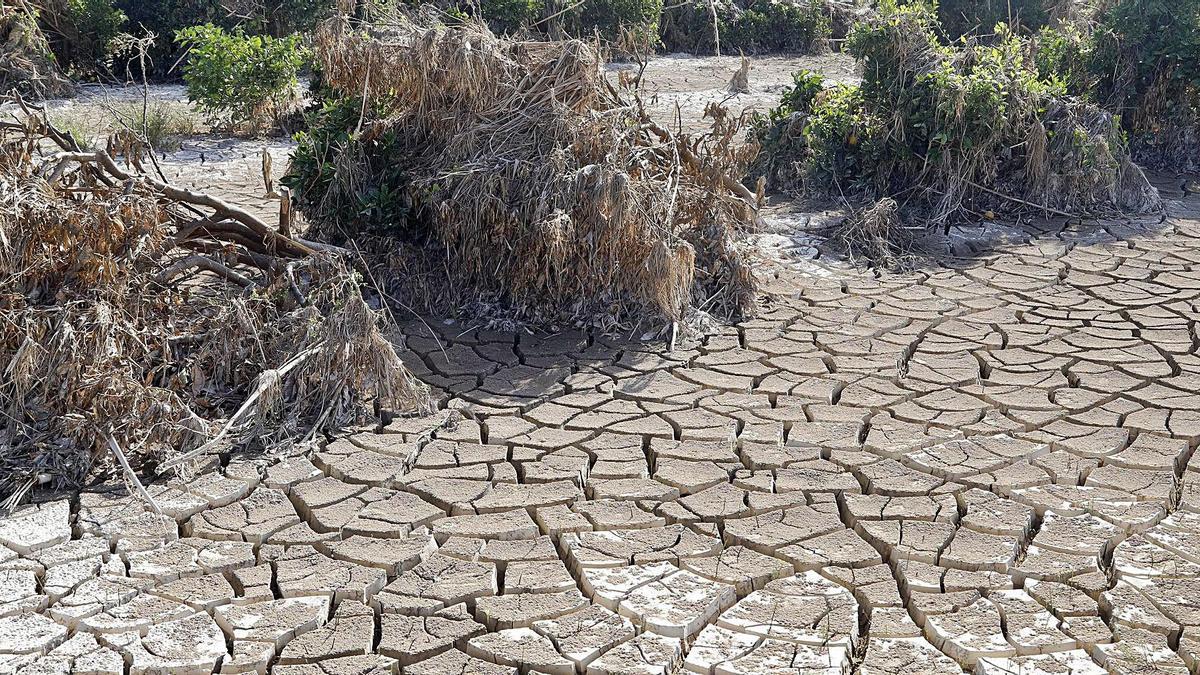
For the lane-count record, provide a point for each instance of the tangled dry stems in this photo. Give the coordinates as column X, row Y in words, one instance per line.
column 167, row 321
column 26, row 63
column 540, row 185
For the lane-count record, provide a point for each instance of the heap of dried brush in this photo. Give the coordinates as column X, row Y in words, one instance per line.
column 534, row 187
column 159, row 324
column 26, row 62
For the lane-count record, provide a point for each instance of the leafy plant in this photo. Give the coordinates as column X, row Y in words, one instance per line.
column 508, row 16
column 239, row 79
column 327, row 184
column 962, row 17
column 610, row 18
column 750, row 26
column 778, row 25
column 91, row 26
column 1145, row 63
column 164, row 18
column 950, row 129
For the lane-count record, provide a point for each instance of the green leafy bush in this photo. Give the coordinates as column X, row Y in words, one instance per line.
column 799, row 26
column 1145, row 62
column 749, row 26
column 951, row 130
column 164, row 18
column 612, row 18
column 239, row 79
column 509, row 16
column 90, row 28
column 962, row 17
column 327, row 178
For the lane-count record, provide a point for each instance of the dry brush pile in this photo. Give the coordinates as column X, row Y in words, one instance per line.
column 160, row 324
column 26, row 62
column 514, row 178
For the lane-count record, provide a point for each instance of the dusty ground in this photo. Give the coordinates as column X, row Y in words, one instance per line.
column 984, row 465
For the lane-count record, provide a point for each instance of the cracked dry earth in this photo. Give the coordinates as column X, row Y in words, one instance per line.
column 986, row 466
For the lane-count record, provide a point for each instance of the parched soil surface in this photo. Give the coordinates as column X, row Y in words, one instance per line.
column 983, row 465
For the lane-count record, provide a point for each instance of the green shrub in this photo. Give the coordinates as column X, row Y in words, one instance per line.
column 164, row 18
column 91, row 26
column 1063, row 55
column 799, row 26
column 749, row 26
column 239, row 79
column 962, row 17
column 950, row 130
column 326, row 177
column 612, row 18
column 1145, row 62
column 509, row 16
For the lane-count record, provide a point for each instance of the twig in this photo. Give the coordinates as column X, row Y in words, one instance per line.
column 116, row 450
column 1018, row 200
column 247, row 405
column 203, row 262
column 261, row 229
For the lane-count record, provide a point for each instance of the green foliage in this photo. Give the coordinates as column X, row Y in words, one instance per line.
column 1063, row 55
column 164, row 18
column 1142, row 61
column 749, row 26
column 327, row 179
column 509, row 16
column 241, row 79
column 797, row 26
column 610, row 18
column 962, row 17
column 945, row 126
column 1145, row 61
column 92, row 26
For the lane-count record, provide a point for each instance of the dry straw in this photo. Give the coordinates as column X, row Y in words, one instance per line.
column 544, row 186
column 142, row 317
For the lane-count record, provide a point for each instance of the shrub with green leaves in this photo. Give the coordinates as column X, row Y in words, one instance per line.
column 326, row 173
column 962, row 17
column 1144, row 60
column 612, row 18
column 748, row 26
column 509, row 16
column 164, row 18
column 241, row 80
column 950, row 131
column 88, row 32
column 798, row 26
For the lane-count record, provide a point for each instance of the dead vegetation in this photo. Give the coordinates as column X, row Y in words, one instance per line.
column 166, row 323
column 528, row 185
column 26, row 63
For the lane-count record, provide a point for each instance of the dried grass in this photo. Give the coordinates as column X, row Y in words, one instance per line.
column 26, row 63
column 165, row 321
column 545, row 188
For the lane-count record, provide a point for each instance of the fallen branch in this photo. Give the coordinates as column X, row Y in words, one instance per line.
column 1018, row 200
column 130, row 475
column 205, row 263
